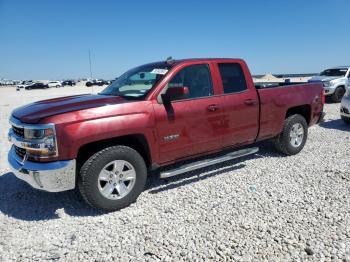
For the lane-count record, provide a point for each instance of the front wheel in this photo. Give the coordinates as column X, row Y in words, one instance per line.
column 293, row 136
column 113, row 178
column 346, row 119
column 338, row 94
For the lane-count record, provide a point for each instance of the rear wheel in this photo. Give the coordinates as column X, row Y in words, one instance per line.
column 113, row 178
column 346, row 119
column 338, row 94
column 293, row 136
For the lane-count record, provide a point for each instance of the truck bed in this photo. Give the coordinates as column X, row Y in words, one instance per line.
column 265, row 85
column 277, row 98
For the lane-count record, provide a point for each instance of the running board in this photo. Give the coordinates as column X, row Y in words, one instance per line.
column 208, row 162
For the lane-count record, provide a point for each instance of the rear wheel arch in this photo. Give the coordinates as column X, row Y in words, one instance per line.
column 303, row 110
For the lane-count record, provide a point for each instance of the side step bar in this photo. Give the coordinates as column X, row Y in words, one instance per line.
column 208, row 162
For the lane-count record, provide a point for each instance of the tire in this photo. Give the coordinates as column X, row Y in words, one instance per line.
column 346, row 119
column 91, row 184
column 284, row 142
column 338, row 94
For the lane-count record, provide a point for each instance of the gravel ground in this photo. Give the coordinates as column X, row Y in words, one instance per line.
column 262, row 207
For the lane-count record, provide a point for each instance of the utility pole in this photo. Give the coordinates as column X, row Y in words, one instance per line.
column 92, row 89
column 90, row 63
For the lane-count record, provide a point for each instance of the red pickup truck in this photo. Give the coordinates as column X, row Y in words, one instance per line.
column 151, row 117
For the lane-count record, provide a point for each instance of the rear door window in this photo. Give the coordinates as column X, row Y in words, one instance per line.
column 232, row 77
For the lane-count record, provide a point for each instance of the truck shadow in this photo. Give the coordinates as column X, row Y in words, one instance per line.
column 336, row 124
column 156, row 185
column 22, row 202
column 19, row 200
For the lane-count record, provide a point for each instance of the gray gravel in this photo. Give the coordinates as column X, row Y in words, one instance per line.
column 263, row 207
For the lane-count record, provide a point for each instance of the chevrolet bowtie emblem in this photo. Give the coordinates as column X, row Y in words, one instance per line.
column 171, row 137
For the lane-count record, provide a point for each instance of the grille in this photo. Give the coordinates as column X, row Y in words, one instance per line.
column 18, row 131
column 20, row 152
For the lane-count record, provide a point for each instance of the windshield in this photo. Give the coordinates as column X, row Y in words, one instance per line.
column 137, row 82
column 334, row 72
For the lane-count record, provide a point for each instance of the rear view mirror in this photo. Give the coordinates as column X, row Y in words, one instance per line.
column 175, row 93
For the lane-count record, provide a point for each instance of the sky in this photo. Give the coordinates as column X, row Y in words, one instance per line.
column 51, row 39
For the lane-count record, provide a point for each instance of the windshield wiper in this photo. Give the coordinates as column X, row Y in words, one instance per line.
column 123, row 96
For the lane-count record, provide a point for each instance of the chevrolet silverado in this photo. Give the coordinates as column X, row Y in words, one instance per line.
column 152, row 117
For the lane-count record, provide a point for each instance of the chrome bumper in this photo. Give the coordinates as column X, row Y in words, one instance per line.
column 52, row 176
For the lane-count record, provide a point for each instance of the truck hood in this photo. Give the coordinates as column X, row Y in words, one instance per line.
column 323, row 78
column 33, row 113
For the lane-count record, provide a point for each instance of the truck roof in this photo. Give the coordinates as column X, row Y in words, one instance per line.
column 204, row 59
column 339, row 67
column 178, row 61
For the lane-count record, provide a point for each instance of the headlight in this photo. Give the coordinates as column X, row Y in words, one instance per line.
column 39, row 142
column 327, row 83
column 38, row 133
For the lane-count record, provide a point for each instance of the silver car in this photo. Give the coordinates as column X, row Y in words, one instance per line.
column 335, row 81
column 345, row 107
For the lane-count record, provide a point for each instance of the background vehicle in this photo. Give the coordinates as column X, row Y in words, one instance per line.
column 24, row 84
column 335, row 81
column 96, row 82
column 5, row 82
column 54, row 84
column 154, row 116
column 36, row 86
column 345, row 107
column 68, row 83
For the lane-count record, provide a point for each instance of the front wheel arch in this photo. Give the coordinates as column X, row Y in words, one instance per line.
column 338, row 93
column 137, row 142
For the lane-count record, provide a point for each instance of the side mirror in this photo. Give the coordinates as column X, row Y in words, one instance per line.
column 175, row 93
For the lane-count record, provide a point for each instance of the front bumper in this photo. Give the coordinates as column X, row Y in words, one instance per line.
column 329, row 90
column 52, row 176
column 345, row 106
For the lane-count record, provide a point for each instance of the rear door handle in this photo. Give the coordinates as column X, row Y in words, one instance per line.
column 250, row 102
column 213, row 108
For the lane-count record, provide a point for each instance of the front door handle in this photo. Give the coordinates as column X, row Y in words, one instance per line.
column 250, row 102
column 213, row 108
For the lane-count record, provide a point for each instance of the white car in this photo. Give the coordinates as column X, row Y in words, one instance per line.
column 24, row 84
column 335, row 81
column 54, row 84
column 345, row 107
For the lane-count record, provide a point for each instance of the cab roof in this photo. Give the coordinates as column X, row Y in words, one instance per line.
column 340, row 67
